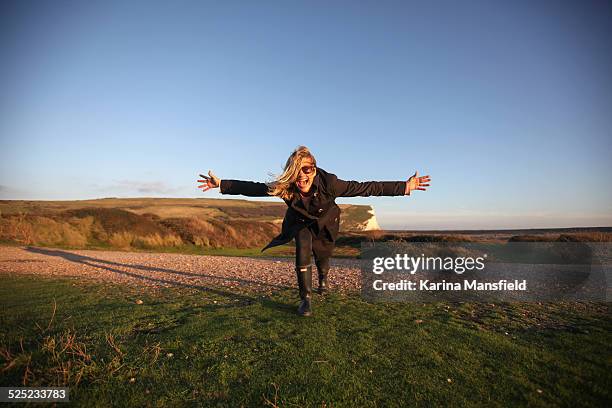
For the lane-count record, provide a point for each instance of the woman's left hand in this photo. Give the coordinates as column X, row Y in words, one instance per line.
column 417, row 183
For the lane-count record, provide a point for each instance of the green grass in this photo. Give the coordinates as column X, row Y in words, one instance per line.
column 282, row 251
column 241, row 349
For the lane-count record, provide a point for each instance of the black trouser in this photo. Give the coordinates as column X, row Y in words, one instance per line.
column 311, row 241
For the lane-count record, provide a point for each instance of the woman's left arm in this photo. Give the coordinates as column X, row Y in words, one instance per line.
column 381, row 188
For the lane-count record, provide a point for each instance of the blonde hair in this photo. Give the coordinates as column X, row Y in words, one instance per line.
column 284, row 185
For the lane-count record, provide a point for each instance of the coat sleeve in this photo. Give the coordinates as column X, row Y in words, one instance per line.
column 245, row 188
column 369, row 188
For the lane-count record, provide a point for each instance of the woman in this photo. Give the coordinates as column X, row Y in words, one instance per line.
column 312, row 217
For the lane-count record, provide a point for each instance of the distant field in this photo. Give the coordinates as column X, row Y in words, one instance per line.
column 162, row 207
column 352, row 215
column 163, row 224
column 212, row 226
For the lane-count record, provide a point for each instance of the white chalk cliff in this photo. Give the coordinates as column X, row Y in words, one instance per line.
column 372, row 223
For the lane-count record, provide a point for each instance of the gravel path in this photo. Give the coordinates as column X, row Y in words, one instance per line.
column 163, row 270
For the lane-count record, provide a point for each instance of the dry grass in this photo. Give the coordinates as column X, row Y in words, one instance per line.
column 122, row 240
column 169, row 211
column 66, row 357
column 223, row 234
column 62, row 357
column 69, row 357
column 144, row 226
column 158, row 241
column 27, row 230
column 209, row 223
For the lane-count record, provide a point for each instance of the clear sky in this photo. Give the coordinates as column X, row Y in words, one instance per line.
column 506, row 104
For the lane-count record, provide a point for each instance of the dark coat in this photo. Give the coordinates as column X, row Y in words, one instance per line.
column 322, row 210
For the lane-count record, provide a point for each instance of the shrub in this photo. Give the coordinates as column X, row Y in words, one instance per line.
column 83, row 225
column 72, row 237
column 172, row 240
column 16, row 229
column 115, row 220
column 222, row 233
column 47, row 231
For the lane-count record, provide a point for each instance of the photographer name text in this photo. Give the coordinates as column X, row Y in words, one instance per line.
column 428, row 285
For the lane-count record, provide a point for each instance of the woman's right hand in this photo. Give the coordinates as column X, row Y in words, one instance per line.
column 210, row 181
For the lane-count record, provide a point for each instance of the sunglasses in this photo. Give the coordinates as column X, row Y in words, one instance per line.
column 308, row 169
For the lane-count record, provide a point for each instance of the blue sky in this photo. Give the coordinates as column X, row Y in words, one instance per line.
column 505, row 104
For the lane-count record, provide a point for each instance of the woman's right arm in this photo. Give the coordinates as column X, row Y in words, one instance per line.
column 234, row 187
column 245, row 188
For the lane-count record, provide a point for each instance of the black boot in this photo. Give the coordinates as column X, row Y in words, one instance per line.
column 304, row 276
column 323, row 280
column 322, row 268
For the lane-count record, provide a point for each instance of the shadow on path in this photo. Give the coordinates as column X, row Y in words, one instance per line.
column 107, row 265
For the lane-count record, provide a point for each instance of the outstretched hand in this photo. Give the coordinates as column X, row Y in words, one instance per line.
column 210, row 181
column 417, row 183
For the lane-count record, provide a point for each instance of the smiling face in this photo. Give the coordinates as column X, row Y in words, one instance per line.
column 306, row 175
